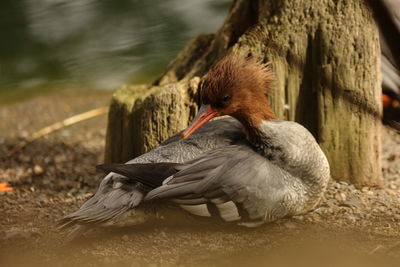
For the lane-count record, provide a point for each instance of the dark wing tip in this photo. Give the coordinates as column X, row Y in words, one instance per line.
column 104, row 167
column 149, row 174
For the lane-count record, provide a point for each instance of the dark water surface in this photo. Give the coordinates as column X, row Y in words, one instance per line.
column 49, row 45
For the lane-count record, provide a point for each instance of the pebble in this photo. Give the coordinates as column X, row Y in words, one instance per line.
column 354, row 202
column 352, row 218
column 392, row 192
column 125, row 238
column 340, row 197
column 37, row 169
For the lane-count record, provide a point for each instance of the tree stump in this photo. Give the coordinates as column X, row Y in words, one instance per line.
column 326, row 58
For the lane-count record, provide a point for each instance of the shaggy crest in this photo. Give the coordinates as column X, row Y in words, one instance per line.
column 233, row 73
column 237, row 86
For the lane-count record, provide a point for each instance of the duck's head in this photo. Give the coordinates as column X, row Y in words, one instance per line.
column 235, row 86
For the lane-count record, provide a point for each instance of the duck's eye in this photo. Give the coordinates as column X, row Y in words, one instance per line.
column 226, row 98
column 222, row 102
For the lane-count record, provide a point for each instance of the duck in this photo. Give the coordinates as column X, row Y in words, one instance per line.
column 235, row 162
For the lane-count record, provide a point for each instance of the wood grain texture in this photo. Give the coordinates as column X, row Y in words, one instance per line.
column 141, row 117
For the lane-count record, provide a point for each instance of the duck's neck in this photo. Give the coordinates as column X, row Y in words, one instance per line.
column 252, row 119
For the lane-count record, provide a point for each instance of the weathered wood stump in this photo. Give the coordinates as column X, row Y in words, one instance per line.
column 326, row 58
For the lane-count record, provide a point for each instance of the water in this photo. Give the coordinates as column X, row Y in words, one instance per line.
column 49, row 45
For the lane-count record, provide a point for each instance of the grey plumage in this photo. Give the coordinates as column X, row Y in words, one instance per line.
column 118, row 193
column 258, row 188
column 291, row 182
column 283, row 172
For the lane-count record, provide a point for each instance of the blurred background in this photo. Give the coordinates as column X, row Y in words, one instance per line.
column 54, row 45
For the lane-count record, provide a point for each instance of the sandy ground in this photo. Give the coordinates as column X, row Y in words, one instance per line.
column 54, row 175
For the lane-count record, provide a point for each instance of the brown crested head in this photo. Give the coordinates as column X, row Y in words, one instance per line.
column 235, row 86
column 233, row 82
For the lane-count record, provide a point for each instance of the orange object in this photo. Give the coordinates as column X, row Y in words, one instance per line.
column 5, row 187
column 387, row 100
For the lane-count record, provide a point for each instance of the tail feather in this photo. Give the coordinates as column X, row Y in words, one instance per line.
column 106, row 204
column 121, row 190
column 96, row 217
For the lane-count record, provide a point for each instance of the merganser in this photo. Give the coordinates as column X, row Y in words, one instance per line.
column 249, row 169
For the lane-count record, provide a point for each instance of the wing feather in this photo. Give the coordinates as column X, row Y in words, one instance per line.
column 236, row 172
